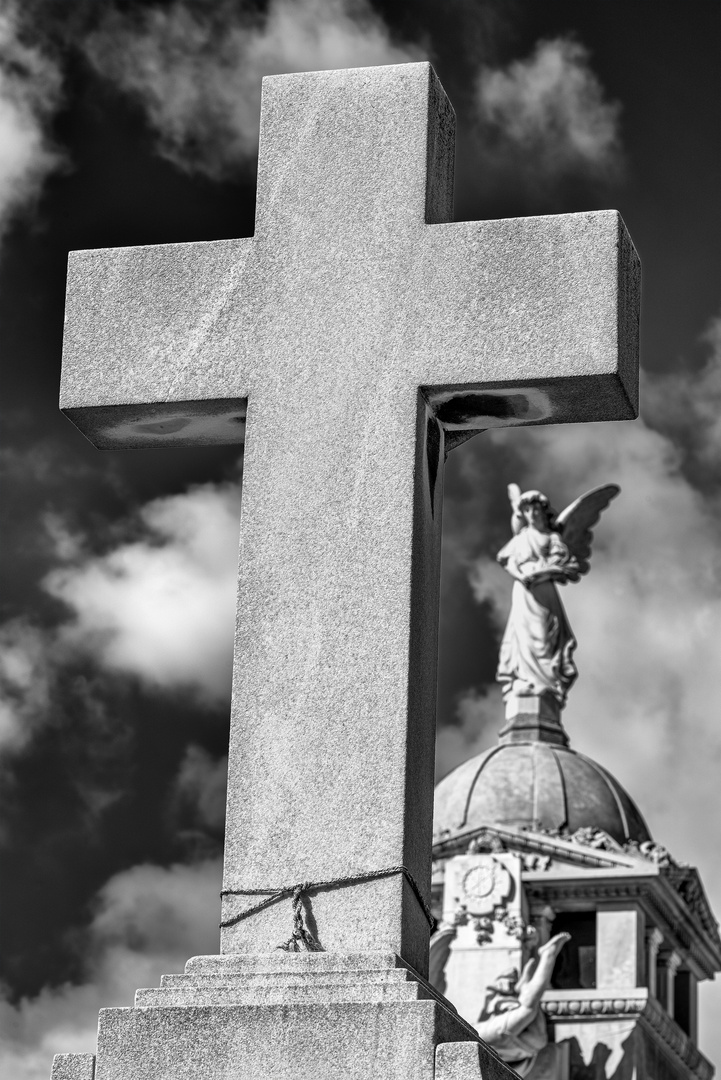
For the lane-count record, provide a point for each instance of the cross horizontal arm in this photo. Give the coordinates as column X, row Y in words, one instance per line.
column 546, row 305
column 153, row 346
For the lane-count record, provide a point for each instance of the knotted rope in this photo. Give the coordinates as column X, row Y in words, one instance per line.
column 301, row 936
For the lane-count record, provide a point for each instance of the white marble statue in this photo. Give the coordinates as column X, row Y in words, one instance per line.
column 511, row 1019
column 546, row 550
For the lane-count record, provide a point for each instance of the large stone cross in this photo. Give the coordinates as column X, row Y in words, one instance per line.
column 361, row 330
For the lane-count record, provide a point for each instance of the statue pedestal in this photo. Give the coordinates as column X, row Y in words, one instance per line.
column 533, row 718
column 287, row 1016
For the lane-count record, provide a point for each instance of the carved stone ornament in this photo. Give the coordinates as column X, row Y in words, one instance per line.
column 486, row 840
column 532, row 861
column 514, row 924
column 486, row 888
column 655, row 853
column 588, row 836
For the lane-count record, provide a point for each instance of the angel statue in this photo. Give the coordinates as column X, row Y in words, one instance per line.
column 546, row 550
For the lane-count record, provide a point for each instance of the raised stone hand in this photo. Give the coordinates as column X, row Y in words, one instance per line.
column 511, row 1020
column 536, row 977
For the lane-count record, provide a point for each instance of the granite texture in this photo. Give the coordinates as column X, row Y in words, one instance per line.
column 265, row 1042
column 73, row 1067
column 361, row 328
column 168, row 424
column 468, row 1061
column 315, row 1016
column 238, row 979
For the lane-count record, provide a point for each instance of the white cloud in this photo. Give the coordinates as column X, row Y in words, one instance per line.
column 196, row 69
column 30, row 90
column 149, row 920
column 161, row 607
column 547, row 116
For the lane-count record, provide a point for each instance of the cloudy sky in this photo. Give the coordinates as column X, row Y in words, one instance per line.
column 135, row 123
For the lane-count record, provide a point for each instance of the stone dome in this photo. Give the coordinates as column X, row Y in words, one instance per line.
column 534, row 784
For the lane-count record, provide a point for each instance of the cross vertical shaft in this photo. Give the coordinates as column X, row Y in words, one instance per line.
column 356, row 326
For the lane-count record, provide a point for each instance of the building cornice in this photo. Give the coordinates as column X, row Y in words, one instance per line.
column 591, row 1005
column 673, row 892
column 497, row 838
column 654, row 893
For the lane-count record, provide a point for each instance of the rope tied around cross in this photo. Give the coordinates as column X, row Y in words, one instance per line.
column 302, row 938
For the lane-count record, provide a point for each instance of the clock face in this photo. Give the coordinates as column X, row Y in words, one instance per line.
column 486, row 886
column 478, row 883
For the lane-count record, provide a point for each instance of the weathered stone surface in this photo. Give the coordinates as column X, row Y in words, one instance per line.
column 290, row 965
column 308, row 1015
column 619, row 947
column 468, row 1061
column 73, row 1067
column 374, row 978
column 360, row 326
column 340, row 1041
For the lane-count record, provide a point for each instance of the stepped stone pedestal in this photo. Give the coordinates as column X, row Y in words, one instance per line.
column 312, row 1016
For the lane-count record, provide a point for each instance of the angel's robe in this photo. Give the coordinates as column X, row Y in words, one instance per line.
column 536, row 654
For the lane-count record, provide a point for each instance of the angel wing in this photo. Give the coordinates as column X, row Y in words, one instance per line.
column 514, row 497
column 576, row 522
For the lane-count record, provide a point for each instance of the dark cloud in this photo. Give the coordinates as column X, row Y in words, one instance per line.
column 196, row 68
column 30, row 93
column 685, row 405
column 114, row 749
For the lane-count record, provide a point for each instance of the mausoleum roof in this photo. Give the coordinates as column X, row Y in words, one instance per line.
column 535, row 785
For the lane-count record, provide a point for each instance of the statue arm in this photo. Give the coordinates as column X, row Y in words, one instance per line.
column 512, row 567
column 560, row 558
column 512, row 1022
column 534, row 987
column 509, row 558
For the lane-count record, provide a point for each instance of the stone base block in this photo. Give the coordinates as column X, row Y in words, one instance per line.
column 309, row 1016
column 533, row 718
column 467, row 1061
column 73, row 1067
